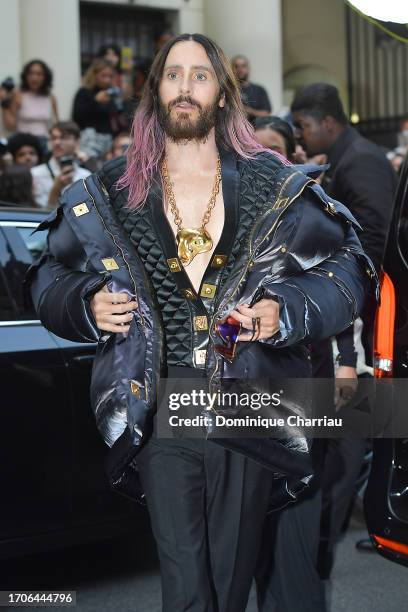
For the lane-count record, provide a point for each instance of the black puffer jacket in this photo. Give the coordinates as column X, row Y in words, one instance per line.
column 298, row 247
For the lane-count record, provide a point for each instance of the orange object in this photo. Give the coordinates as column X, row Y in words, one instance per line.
column 401, row 549
column 384, row 330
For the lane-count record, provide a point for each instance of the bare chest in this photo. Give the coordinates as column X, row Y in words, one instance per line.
column 192, row 210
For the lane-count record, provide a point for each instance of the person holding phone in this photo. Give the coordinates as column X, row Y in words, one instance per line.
column 62, row 169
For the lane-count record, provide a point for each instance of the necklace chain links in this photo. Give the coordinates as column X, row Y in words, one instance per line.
column 191, row 241
column 168, row 186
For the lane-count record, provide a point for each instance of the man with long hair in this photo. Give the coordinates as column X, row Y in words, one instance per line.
column 195, row 258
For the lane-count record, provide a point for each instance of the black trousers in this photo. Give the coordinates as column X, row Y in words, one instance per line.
column 287, row 579
column 343, row 464
column 207, row 507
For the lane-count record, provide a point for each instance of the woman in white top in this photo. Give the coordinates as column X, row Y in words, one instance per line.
column 33, row 108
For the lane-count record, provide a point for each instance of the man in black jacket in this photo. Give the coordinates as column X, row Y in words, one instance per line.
column 201, row 233
column 359, row 174
column 361, row 177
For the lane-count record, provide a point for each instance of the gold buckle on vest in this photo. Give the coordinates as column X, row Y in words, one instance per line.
column 189, row 294
column 218, row 261
column 208, row 291
column 200, row 323
column 174, row 264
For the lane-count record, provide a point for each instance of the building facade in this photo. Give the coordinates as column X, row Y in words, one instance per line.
column 51, row 30
column 289, row 43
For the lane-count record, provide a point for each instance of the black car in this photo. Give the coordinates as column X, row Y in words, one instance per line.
column 53, row 486
column 386, row 499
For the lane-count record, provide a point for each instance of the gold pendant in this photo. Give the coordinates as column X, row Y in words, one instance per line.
column 192, row 242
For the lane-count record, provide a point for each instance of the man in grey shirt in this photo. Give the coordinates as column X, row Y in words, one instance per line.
column 50, row 179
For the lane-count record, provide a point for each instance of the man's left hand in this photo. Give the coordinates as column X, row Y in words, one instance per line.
column 262, row 317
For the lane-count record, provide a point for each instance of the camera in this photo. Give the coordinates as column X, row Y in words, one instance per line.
column 8, row 84
column 116, row 95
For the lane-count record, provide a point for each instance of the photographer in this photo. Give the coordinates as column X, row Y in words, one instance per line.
column 97, row 107
column 50, row 179
column 112, row 53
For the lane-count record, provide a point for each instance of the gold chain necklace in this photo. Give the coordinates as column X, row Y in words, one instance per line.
column 191, row 241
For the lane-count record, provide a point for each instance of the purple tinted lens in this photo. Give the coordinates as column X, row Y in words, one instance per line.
column 228, row 332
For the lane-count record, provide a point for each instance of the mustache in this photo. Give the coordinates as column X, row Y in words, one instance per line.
column 187, row 99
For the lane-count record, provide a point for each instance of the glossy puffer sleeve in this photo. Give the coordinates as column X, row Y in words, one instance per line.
column 324, row 300
column 61, row 294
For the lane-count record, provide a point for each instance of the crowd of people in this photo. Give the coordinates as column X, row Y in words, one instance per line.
column 42, row 154
column 46, row 154
column 100, row 122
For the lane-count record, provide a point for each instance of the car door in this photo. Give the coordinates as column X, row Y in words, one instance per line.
column 92, row 499
column 386, row 499
column 36, row 449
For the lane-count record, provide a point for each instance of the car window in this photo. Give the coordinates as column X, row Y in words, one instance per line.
column 7, row 305
column 402, row 221
column 403, row 232
column 21, row 248
column 35, row 243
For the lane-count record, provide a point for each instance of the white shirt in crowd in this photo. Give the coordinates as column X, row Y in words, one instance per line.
column 43, row 179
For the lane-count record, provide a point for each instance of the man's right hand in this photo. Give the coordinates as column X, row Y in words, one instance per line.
column 65, row 177
column 103, row 97
column 112, row 311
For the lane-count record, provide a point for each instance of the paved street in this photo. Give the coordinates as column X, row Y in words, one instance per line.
column 123, row 576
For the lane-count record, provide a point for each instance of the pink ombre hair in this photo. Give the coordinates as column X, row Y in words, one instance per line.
column 233, row 131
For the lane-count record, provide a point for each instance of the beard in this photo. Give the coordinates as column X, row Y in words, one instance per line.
column 183, row 128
